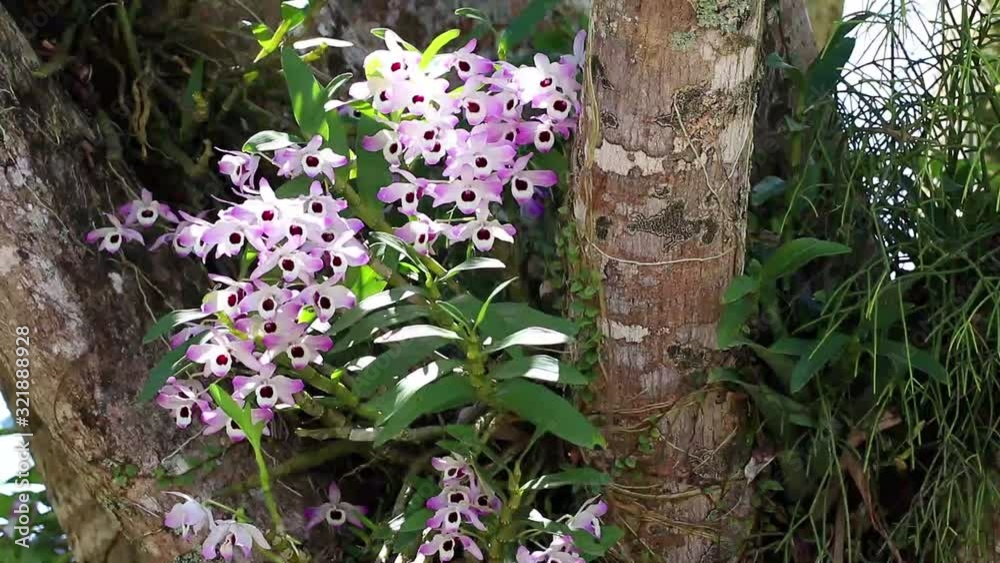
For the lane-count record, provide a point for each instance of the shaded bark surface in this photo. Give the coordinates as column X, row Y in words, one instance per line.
column 660, row 201
column 87, row 314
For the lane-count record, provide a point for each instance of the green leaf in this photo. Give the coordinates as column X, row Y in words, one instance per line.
column 242, row 416
column 307, row 95
column 908, row 355
column 477, row 263
column 792, row 346
column 313, row 42
column 739, row 288
column 507, row 318
column 393, row 362
column 534, row 336
column 795, row 254
column 370, row 304
column 542, row 368
column 827, row 349
column 522, row 25
column 415, row 521
column 267, row 141
column 167, row 322
column 373, row 170
column 337, row 82
column 412, row 332
column 576, row 476
column 593, row 548
column 364, row 330
column 472, row 13
column 775, row 61
column 766, row 190
column 296, row 187
column 734, row 316
column 364, row 282
column 436, row 45
column 548, row 412
column 189, row 104
column 163, row 370
column 447, row 393
column 486, row 304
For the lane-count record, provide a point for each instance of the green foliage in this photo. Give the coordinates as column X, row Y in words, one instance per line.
column 871, row 301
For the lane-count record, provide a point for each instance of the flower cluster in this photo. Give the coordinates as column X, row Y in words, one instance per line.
column 191, row 517
column 469, row 117
column 277, row 316
column 460, row 134
column 562, row 549
column 464, row 499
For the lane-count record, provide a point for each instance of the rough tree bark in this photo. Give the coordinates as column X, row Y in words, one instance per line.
column 660, row 202
column 87, row 314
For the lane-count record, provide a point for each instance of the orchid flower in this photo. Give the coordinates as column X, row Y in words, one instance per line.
column 444, row 546
column 181, row 397
column 111, row 237
column 227, row 534
column 145, row 211
column 335, row 511
column 187, row 517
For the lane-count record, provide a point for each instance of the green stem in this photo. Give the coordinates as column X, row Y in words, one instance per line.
column 265, row 487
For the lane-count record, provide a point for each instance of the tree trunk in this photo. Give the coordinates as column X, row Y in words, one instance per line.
column 660, row 205
column 86, row 314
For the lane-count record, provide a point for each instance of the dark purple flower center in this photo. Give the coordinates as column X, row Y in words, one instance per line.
column 185, row 412
column 468, row 196
column 328, row 237
column 396, row 66
column 268, row 304
column 383, row 96
column 453, row 518
column 510, row 105
column 316, row 207
column 287, row 264
column 298, row 352
column 474, row 107
column 521, row 185
column 270, row 326
column 436, row 147
column 232, row 300
column 428, row 135
column 422, row 239
column 464, row 66
column 417, row 99
column 337, row 261
column 482, row 162
column 484, row 234
column 147, row 213
column 234, row 426
column 324, row 302
column 393, row 148
column 509, row 136
column 267, row 215
column 235, row 238
column 448, row 545
column 560, row 105
column 410, row 197
column 266, row 392
column 545, row 83
column 456, row 498
column 113, row 239
column 545, row 136
column 295, row 230
column 312, row 161
column 222, row 359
